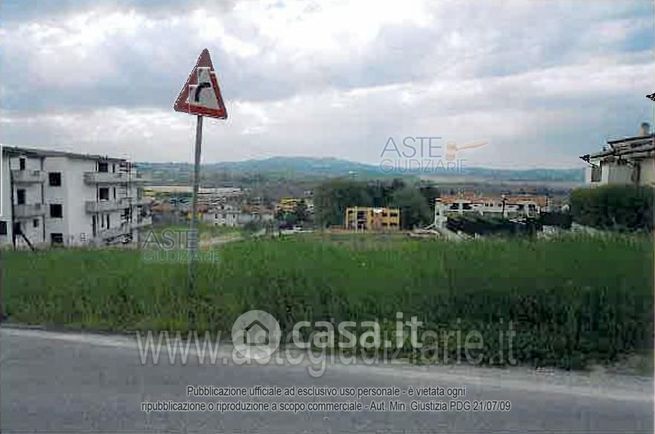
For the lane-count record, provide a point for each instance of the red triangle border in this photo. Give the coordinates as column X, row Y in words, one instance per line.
column 204, row 60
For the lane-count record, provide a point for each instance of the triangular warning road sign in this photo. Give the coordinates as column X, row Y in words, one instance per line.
column 201, row 94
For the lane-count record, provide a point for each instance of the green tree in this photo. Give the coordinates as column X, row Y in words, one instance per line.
column 333, row 197
column 301, row 211
column 414, row 210
column 616, row 207
column 430, row 193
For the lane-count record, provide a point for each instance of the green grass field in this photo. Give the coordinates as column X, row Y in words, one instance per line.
column 572, row 300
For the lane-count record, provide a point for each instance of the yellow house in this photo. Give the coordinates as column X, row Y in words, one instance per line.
column 287, row 204
column 372, row 219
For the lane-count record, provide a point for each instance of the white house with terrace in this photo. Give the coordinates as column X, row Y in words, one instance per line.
column 630, row 160
column 505, row 206
column 56, row 198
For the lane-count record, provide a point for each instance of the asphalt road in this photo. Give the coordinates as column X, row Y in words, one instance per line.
column 78, row 383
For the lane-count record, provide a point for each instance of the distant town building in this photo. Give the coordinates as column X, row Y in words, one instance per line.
column 223, row 215
column 287, row 204
column 236, row 216
column 255, row 213
column 372, row 219
column 506, row 205
column 209, row 196
column 624, row 161
column 60, row 198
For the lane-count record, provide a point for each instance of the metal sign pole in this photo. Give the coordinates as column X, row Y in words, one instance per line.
column 201, row 82
column 2, row 309
column 193, row 232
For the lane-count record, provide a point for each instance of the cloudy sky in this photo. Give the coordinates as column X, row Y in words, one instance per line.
column 540, row 81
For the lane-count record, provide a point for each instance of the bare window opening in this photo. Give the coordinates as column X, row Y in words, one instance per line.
column 54, row 179
column 57, row 239
column 596, row 173
column 103, row 193
column 56, row 210
column 20, row 197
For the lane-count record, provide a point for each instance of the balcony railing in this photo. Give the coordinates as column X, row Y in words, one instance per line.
column 140, row 177
column 145, row 221
column 32, row 210
column 142, row 201
column 114, row 232
column 94, row 206
column 28, row 176
column 114, row 177
column 105, row 177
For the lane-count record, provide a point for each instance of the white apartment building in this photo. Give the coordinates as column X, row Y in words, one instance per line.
column 223, row 215
column 624, row 161
column 62, row 198
column 236, row 216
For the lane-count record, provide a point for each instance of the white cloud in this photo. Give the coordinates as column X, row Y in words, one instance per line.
column 332, row 78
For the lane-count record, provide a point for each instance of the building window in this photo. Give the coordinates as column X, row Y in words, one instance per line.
column 596, row 173
column 103, row 193
column 103, row 166
column 56, row 210
column 21, row 163
column 35, row 223
column 57, row 239
column 54, row 179
column 3, row 227
column 20, row 197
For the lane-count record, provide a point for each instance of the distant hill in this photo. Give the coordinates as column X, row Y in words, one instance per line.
column 314, row 168
column 304, row 166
